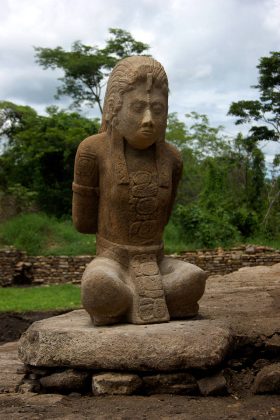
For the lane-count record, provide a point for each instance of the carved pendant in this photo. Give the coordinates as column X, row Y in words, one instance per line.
column 149, row 305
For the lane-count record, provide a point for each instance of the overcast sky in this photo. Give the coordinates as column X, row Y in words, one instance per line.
column 209, row 48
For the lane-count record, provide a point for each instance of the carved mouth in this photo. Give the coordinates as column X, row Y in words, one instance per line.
column 146, row 131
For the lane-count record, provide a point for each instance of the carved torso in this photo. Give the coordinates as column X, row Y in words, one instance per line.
column 133, row 211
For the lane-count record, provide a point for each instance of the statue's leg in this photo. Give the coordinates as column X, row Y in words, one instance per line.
column 105, row 296
column 184, row 284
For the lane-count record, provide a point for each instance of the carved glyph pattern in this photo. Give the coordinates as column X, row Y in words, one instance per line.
column 86, row 165
column 149, row 299
column 143, row 202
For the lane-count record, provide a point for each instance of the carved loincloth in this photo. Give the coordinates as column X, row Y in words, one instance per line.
column 143, row 278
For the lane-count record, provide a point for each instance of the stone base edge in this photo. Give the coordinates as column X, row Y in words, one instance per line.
column 262, row 377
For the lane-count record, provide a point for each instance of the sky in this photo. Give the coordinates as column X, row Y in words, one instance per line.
column 209, row 48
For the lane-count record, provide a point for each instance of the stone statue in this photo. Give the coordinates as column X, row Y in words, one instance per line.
column 124, row 188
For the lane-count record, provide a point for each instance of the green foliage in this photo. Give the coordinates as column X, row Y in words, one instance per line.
column 266, row 110
column 197, row 135
column 121, row 44
column 176, row 131
column 205, row 229
column 39, row 234
column 173, row 239
column 222, row 197
column 39, row 153
column 64, row 296
column 264, row 115
column 85, row 67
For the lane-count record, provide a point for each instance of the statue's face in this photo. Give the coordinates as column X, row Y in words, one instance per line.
column 142, row 118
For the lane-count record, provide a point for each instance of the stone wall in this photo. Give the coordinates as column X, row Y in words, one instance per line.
column 9, row 260
column 219, row 261
column 18, row 268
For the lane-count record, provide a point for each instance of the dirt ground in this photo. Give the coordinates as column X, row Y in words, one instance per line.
column 50, row 406
column 13, row 324
column 249, row 300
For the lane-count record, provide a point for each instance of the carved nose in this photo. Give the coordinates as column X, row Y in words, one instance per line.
column 147, row 119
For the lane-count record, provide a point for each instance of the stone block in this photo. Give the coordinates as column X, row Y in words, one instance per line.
column 115, row 384
column 70, row 340
column 29, row 385
column 273, row 343
column 213, row 385
column 64, row 381
column 267, row 380
column 170, row 383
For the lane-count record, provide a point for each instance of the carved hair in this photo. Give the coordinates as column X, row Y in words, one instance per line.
column 122, row 80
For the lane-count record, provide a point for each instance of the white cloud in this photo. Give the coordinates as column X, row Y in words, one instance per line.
column 210, row 48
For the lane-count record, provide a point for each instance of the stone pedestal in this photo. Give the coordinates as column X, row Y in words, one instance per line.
column 71, row 341
column 121, row 359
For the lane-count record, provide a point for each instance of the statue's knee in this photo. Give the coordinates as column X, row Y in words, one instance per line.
column 104, row 293
column 196, row 282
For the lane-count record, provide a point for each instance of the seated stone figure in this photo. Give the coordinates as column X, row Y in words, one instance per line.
column 124, row 188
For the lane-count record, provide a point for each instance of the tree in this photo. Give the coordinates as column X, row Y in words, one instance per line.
column 266, row 110
column 86, row 67
column 39, row 153
column 222, row 193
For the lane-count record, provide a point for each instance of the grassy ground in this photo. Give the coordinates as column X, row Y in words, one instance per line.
column 39, row 234
column 40, row 298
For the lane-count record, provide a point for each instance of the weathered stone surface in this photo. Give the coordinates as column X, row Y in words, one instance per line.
column 29, row 385
column 249, row 299
column 267, row 380
column 170, row 383
column 66, row 380
column 273, row 343
column 213, row 385
column 11, row 373
column 115, row 384
column 70, row 340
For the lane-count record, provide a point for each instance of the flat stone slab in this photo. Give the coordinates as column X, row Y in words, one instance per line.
column 70, row 340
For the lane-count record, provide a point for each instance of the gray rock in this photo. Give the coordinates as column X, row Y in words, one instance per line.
column 29, row 385
column 213, row 385
column 170, row 383
column 273, row 343
column 11, row 369
column 75, row 395
column 70, row 340
column 261, row 363
column 67, row 380
column 267, row 380
column 115, row 384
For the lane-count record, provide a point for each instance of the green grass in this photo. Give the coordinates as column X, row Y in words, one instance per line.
column 273, row 243
column 39, row 298
column 39, row 234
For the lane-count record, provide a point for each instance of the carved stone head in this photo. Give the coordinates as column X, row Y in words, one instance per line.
column 136, row 101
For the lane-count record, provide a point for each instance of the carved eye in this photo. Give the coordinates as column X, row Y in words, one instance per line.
column 138, row 106
column 158, row 108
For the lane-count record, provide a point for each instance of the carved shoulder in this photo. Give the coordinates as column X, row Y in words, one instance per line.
column 86, row 184
column 86, row 161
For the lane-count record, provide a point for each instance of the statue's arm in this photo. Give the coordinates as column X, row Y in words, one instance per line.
column 177, row 171
column 85, row 189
